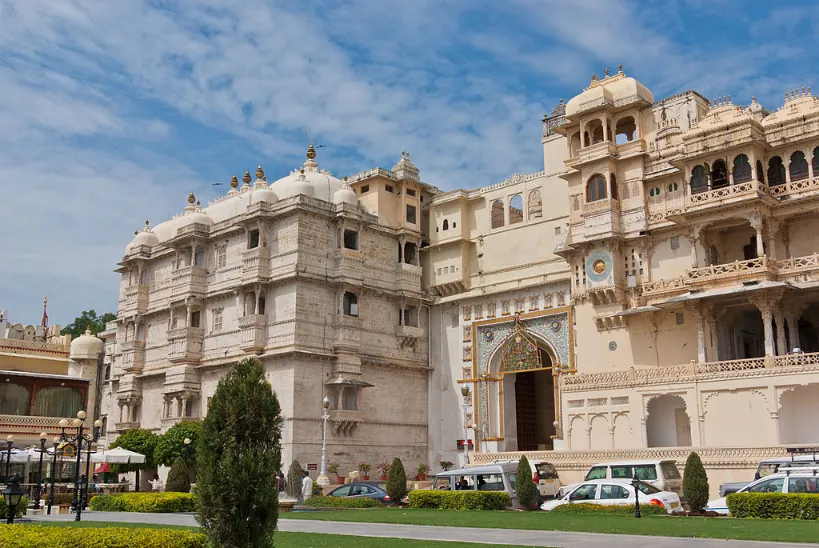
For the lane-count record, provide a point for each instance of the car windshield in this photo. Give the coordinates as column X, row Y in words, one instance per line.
column 546, row 471
column 766, row 469
column 647, row 489
column 597, row 472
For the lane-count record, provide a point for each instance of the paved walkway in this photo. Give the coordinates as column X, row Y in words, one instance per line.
column 560, row 539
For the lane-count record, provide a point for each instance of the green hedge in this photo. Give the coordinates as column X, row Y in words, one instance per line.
column 20, row 511
column 25, row 536
column 773, row 505
column 616, row 509
column 459, row 500
column 145, row 502
column 341, row 502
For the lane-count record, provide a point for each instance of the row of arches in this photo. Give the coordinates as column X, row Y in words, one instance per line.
column 534, row 208
column 707, row 177
column 595, row 131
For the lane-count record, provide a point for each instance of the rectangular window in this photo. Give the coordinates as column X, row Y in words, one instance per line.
column 388, row 188
column 411, row 214
column 557, row 231
column 199, row 257
column 680, row 318
column 534, row 302
column 261, row 304
column 189, row 408
column 410, row 317
column 479, row 311
column 467, row 334
column 221, row 256
column 253, row 239
column 519, row 305
column 410, row 192
column 506, row 307
column 490, row 310
column 195, row 318
column 365, row 188
column 350, row 239
column 349, row 399
column 217, row 320
column 350, row 304
column 561, row 298
column 675, row 242
column 467, row 313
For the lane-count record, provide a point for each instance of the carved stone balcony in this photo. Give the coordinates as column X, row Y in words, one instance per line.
column 255, row 265
column 759, row 268
column 408, row 277
column 348, row 333
column 408, row 336
column 254, row 333
column 795, row 188
column 189, row 280
column 135, row 300
column 186, row 344
column 349, row 265
column 601, row 217
column 133, row 355
column 123, row 426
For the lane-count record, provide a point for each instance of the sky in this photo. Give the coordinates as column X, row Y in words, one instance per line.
column 112, row 112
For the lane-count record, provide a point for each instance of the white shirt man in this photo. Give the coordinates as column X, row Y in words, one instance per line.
column 306, row 487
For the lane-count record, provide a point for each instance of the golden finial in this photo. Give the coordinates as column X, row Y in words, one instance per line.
column 620, row 68
column 301, row 171
column 259, row 172
column 594, row 77
column 198, row 203
column 264, row 178
column 45, row 301
column 311, row 152
column 191, row 198
column 135, row 232
column 246, row 177
column 345, row 177
column 147, row 223
column 234, row 181
column 607, row 72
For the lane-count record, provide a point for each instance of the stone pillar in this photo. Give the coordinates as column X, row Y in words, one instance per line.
column 713, row 334
column 760, row 246
column 793, row 330
column 184, row 406
column 693, row 237
column 699, row 318
column 767, row 323
column 189, row 316
column 809, row 158
column 786, row 240
column 781, row 346
column 258, row 295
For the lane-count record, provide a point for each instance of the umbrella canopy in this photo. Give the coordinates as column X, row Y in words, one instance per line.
column 18, row 456
column 105, row 468
column 119, row 456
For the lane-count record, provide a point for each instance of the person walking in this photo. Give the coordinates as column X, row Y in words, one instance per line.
column 306, row 486
column 282, row 482
column 156, row 483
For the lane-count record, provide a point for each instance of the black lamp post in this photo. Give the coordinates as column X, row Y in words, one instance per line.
column 12, row 495
column 38, row 491
column 53, row 471
column 78, row 439
column 10, row 442
column 187, row 443
column 635, row 482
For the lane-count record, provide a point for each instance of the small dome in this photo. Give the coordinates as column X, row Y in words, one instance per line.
column 309, row 180
column 144, row 237
column 345, row 195
column 86, row 346
column 194, row 214
column 618, row 90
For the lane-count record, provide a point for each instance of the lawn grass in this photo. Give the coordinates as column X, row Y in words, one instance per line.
column 295, row 540
column 724, row 528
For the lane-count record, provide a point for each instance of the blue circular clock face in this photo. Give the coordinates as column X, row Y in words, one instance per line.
column 555, row 325
column 488, row 335
column 598, row 266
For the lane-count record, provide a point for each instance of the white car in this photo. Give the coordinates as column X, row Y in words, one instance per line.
column 795, row 480
column 610, row 492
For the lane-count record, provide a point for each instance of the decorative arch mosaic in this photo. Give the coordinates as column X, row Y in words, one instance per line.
column 553, row 330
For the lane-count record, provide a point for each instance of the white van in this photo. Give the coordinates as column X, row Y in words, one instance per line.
column 490, row 477
column 544, row 475
column 662, row 474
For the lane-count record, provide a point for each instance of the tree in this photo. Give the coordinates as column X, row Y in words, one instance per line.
column 87, row 320
column 695, row 483
column 140, row 441
column 397, row 481
column 179, row 477
column 294, row 476
column 525, row 488
column 238, row 457
column 171, row 445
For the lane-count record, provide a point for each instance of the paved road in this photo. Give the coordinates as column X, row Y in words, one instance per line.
column 560, row 539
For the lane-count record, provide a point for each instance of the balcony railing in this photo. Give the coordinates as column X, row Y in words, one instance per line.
column 794, row 187
column 186, row 344
column 188, row 280
column 254, row 332
column 255, row 264
column 755, row 266
column 135, row 300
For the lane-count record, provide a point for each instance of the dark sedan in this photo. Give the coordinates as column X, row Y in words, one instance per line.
column 360, row 490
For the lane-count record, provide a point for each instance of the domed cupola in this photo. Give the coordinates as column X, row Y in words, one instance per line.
column 302, row 186
column 405, row 169
column 194, row 214
column 345, row 195
column 309, row 180
column 261, row 190
column 86, row 346
column 144, row 237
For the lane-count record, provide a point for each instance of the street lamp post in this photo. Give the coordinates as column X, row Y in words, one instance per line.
column 187, row 442
column 53, row 471
column 322, row 479
column 465, row 392
column 38, row 491
column 79, row 438
column 635, row 482
column 11, row 496
column 10, row 442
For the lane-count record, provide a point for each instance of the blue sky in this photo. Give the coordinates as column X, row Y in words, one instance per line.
column 111, row 112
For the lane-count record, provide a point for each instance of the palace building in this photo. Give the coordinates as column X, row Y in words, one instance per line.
column 655, row 288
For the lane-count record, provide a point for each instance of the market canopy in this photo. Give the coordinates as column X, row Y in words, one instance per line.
column 119, row 456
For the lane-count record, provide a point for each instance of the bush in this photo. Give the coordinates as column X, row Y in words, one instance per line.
column 24, row 536
column 695, row 483
column 341, row 502
column 179, row 479
column 525, row 488
column 162, row 503
column 316, row 489
column 171, row 445
column 459, row 500
column 238, row 460
column 139, row 440
column 773, row 505
column 295, row 475
column 19, row 512
column 616, row 509
column 396, row 481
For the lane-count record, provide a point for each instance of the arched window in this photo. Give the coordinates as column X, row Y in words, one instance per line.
column 699, row 180
column 57, row 401
column 719, row 174
column 535, row 205
column 760, row 173
column 799, row 166
column 497, row 214
column 742, row 169
column 624, row 130
column 515, row 209
column 815, row 162
column 446, row 225
column 654, row 192
column 14, row 399
column 613, row 187
column 596, row 188
column 776, row 171
column 574, row 144
column 595, row 129
column 673, row 187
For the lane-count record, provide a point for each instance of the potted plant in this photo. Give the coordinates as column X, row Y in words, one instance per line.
column 365, row 470
column 423, row 470
column 446, row 465
column 383, row 470
column 332, row 468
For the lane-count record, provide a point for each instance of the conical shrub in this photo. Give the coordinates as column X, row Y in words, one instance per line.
column 178, row 477
column 525, row 487
column 695, row 483
column 397, row 481
column 295, row 475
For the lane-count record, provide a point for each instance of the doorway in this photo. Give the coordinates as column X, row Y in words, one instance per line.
column 535, row 407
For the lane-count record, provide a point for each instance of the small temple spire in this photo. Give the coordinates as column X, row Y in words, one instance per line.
column 246, row 177
column 260, row 172
column 191, row 198
column 234, row 182
column 45, row 314
column 311, row 152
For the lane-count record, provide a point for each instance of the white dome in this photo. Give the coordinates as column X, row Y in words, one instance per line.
column 194, row 214
column 310, row 180
column 86, row 346
column 345, row 195
column 144, row 237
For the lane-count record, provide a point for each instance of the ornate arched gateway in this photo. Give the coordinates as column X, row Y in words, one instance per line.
column 517, row 363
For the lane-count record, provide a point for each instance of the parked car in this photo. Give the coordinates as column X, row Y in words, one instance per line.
column 544, row 474
column 768, row 467
column 360, row 490
column 616, row 492
column 797, row 479
column 662, row 474
column 490, row 477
